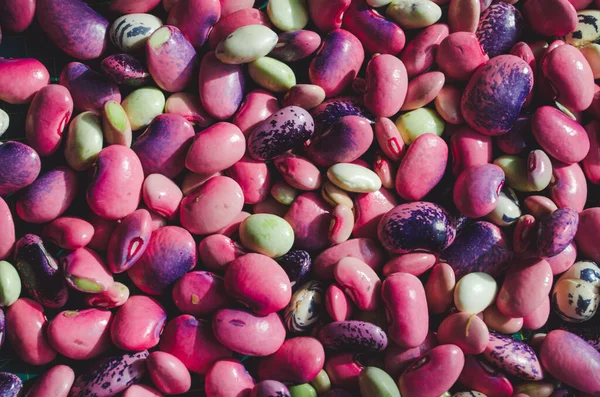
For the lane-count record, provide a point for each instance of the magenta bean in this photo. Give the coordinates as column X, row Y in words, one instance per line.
column 343, row 370
column 111, row 376
column 116, row 187
column 163, row 146
column 406, row 308
column 420, row 53
column 17, row 15
column 48, row 114
column 124, row 69
column 513, row 356
column 467, row 331
column 341, row 225
column 525, row 233
column 479, row 375
column 447, row 104
column 171, row 252
column 397, row 359
column 271, row 206
column 116, row 295
column 191, row 181
column 422, row 167
column 212, row 206
column 248, row 334
column 195, row 18
column 423, row 89
column 553, row 18
column 258, row 105
column 563, row 260
column 387, row 84
column 296, row 45
column 49, row 196
column 589, row 226
column 537, row 318
column 556, row 231
column 259, row 282
column 192, row 342
column 345, row 141
column 469, row 148
column 103, row 229
column 434, row 373
column 369, row 208
column 217, row 251
column 229, row 23
column 568, row 187
column 129, row 241
column 156, row 221
column 594, row 109
column 141, row 391
column 359, row 281
column 571, row 360
column 298, row 172
column 415, row 263
column 378, row 34
column 7, row 230
column 299, row 360
column 56, row 382
column 254, row 177
column 26, row 327
column 231, row 6
column 168, row 373
column 495, row 94
column 309, row 217
column 85, row 271
column 539, row 206
column 89, row 89
column 337, row 62
column 228, row 378
column 137, row 325
column 559, row 135
column 199, row 293
column 477, row 189
column 580, row 4
column 439, row 288
column 21, row 166
column 337, row 304
column 501, row 26
column 570, row 76
column 221, row 86
column 332, row 110
column 518, row 138
column 80, row 335
column 132, row 6
column 31, row 75
column 591, row 163
column 161, row 195
column 172, row 60
column 389, row 139
column 188, row 106
column 459, row 55
column 525, row 287
column 204, row 157
column 327, row 14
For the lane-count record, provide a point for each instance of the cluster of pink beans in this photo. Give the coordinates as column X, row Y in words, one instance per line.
column 309, row 197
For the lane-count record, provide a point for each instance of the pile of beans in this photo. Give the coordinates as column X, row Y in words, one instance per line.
column 309, row 197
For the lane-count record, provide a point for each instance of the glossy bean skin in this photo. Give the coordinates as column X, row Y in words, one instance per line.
column 369, row 208
column 443, row 363
column 227, row 24
column 296, row 45
column 420, row 52
column 195, row 19
column 57, row 382
column 337, row 62
column 171, row 253
column 137, row 324
column 80, row 335
column 556, row 18
column 327, row 15
column 202, row 157
column 129, row 241
column 17, row 15
column 199, row 293
column 331, row 110
column 501, row 25
column 33, row 75
column 514, row 357
column 116, row 187
column 21, row 168
column 47, row 117
column 161, row 195
column 397, row 359
column 538, row 318
column 116, row 295
column 85, row 271
column 467, row 331
column 389, row 138
column 556, row 231
column 306, row 96
column 502, row 105
column 256, row 107
column 589, row 224
column 26, row 332
column 463, row 16
column 494, row 319
column 124, row 69
column 221, row 87
column 89, row 89
column 591, row 163
column 162, row 148
column 449, row 56
column 103, row 229
column 141, row 391
column 568, row 188
column 299, row 360
column 477, row 189
column 132, row 6
column 337, row 303
column 469, row 148
column 217, row 251
column 68, row 232
column 309, row 217
column 188, row 106
column 439, row 288
column 168, row 373
column 192, row 342
column 298, row 172
column 364, row 249
column 359, row 281
column 406, row 308
column 7, row 229
column 10, row 384
column 447, row 104
column 422, row 167
column 343, row 369
column 479, row 375
column 228, row 378
column 387, row 84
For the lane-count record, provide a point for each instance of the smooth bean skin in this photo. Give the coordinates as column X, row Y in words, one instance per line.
column 168, row 373
column 204, row 157
column 477, row 189
column 589, row 225
column 309, row 218
column 248, row 334
column 7, row 230
column 26, row 327
column 420, row 52
column 231, row 6
column 116, row 295
column 578, row 368
column 469, row 148
column 387, row 85
column 85, row 271
column 343, row 370
column 137, row 324
column 525, row 287
column 494, row 111
column 21, row 166
column 227, row 24
column 365, row 249
column 345, row 141
column 501, row 26
column 259, row 282
column 89, row 89
column 495, row 320
column 228, row 378
column 538, row 318
column 69, row 233
column 514, row 357
column 327, row 15
column 467, row 331
column 10, row 384
column 141, row 391
column 397, row 359
column 591, row 163
column 161, row 195
column 463, row 16
column 447, row 104
column 451, row 61
column 570, row 76
column 199, row 293
column 359, row 281
column 254, row 178
column 195, row 19
column 389, row 139
column 295, row 45
column 369, row 208
column 439, row 288
column 555, row 18
column 434, row 373
column 80, row 335
column 299, row 360
column 116, row 187
column 132, row 6
column 48, row 114
column 221, row 87
column 298, row 172
column 422, row 167
column 217, row 251
column 378, row 34
column 188, row 106
column 337, row 62
column 306, row 96
column 337, row 304
column 568, row 188
column 479, row 375
column 56, row 382
column 124, row 69
column 423, row 89
column 17, row 15
column 49, row 196
column 31, row 74
column 10, row 285
column 406, row 309
column 257, row 106
column 331, row 110
column 103, row 229
column 129, row 241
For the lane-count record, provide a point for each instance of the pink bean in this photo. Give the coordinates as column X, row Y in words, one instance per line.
column 221, row 87
column 459, row 55
column 191, row 181
column 299, row 360
column 17, row 15
column 298, row 172
column 420, row 52
column 591, row 163
column 68, row 233
column 204, row 156
column 477, row 190
column 539, row 206
column 132, row 6
column 55, row 382
column 7, row 230
column 168, row 373
column 469, row 148
column 231, row 6
column 369, row 208
column 309, row 216
column 415, row 263
column 116, row 295
column 162, row 195
column 141, row 391
column 343, row 370
column 387, row 84
column 103, row 229
column 423, row 89
column 467, row 331
column 228, row 378
column 188, row 106
column 563, row 260
column 254, row 177
column 568, row 187
column 538, row 318
column 31, row 75
column 85, row 271
column 495, row 320
column 338, row 306
column 195, row 18
column 439, row 288
column 524, row 234
column 217, row 251
column 479, row 375
column 199, row 293
column 129, row 241
column 365, row 249
column 389, row 139
column 258, row 105
column 341, row 224
column 306, row 96
column 385, row 170
column 551, row 18
column 397, row 359
column 463, row 15
column 137, row 325
column 229, row 23
column 327, row 14
column 589, row 227
column 447, row 104
column 359, row 281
